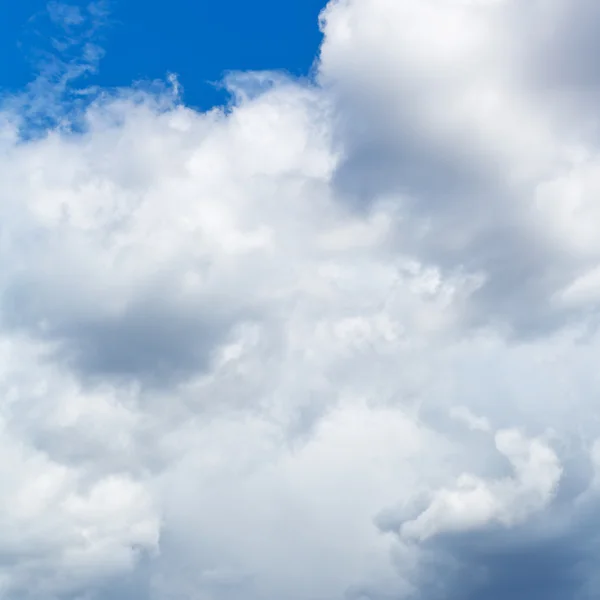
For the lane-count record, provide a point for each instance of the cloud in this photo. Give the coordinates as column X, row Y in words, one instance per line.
column 337, row 339
column 452, row 90
column 474, row 502
column 63, row 43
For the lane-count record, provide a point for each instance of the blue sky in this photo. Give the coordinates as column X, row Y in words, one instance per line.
column 197, row 40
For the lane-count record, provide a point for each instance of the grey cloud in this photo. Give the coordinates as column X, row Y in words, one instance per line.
column 560, row 41
column 132, row 586
column 551, row 557
column 462, row 220
column 151, row 341
column 457, row 212
column 493, row 565
column 144, row 344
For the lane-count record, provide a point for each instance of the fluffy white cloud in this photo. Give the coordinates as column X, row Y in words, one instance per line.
column 475, row 502
column 338, row 340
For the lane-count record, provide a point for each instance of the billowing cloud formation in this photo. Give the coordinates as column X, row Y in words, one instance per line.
column 338, row 340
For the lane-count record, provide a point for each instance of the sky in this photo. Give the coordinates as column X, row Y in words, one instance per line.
column 325, row 331
column 200, row 41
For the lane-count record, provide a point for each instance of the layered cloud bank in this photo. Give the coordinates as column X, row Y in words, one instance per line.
column 337, row 340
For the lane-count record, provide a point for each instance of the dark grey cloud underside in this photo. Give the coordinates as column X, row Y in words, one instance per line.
column 552, row 557
column 153, row 341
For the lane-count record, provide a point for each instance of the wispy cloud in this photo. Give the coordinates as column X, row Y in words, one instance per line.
column 66, row 48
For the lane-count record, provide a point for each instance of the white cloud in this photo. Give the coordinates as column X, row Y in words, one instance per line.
column 474, row 502
column 236, row 344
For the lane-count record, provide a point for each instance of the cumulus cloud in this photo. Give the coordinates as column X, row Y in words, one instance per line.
column 337, row 339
